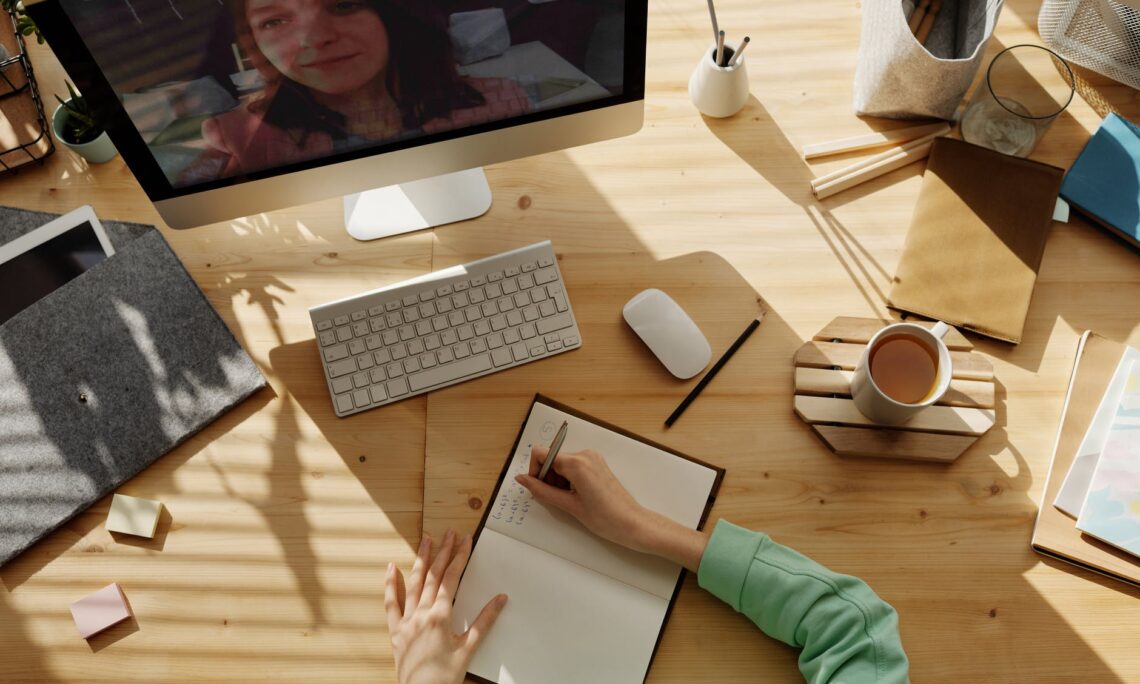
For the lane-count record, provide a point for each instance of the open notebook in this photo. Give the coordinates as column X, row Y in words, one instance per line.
column 581, row 609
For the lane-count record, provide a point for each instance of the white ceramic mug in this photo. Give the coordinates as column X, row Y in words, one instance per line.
column 873, row 402
column 719, row 91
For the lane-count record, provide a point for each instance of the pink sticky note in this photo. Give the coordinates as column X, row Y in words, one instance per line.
column 96, row 612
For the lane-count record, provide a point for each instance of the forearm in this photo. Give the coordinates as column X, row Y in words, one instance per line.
column 662, row 536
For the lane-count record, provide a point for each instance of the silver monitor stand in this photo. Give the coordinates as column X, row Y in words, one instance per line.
column 417, row 205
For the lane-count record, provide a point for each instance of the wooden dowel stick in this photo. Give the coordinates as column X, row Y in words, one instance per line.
column 917, row 15
column 897, row 161
column 896, row 136
column 928, row 22
column 886, row 154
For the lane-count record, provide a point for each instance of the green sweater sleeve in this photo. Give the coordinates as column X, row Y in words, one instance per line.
column 847, row 633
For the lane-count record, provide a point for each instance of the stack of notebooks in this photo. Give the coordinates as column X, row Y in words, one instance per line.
column 1091, row 511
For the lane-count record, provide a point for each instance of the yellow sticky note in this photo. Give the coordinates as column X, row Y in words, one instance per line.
column 132, row 515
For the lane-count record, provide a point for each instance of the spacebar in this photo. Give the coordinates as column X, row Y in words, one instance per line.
column 449, row 372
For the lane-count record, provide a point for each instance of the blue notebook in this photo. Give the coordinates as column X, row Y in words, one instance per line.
column 1104, row 182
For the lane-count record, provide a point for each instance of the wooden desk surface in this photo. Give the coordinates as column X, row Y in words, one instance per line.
column 283, row 517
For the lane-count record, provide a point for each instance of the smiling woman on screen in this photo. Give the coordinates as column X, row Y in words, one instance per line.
column 343, row 74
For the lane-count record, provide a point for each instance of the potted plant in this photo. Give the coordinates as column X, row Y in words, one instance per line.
column 74, row 125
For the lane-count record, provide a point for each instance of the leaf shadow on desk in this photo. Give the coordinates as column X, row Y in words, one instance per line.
column 756, row 138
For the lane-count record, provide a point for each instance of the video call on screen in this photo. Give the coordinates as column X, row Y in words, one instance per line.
column 222, row 88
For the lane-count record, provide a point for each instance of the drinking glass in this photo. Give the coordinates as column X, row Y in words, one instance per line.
column 1013, row 111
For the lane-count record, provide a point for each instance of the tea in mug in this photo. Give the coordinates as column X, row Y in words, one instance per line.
column 904, row 367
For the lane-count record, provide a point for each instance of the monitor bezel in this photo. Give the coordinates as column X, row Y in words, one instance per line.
column 65, row 41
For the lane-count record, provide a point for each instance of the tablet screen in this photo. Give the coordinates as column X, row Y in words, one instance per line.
column 29, row 276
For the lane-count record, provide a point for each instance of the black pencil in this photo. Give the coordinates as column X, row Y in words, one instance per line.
column 715, row 369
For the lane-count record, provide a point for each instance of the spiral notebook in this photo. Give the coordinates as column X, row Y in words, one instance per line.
column 581, row 609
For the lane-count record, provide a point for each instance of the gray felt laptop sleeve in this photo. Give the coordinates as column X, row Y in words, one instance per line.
column 103, row 376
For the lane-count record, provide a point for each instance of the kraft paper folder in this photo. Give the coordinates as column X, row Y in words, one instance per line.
column 581, row 609
column 103, row 376
column 1055, row 534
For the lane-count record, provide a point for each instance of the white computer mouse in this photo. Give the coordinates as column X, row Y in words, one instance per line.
column 668, row 332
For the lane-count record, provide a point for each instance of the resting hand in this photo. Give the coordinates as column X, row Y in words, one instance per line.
column 419, row 617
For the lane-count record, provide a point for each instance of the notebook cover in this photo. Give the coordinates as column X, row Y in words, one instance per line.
column 979, row 229
column 103, row 376
column 540, row 399
column 1104, row 181
column 1055, row 534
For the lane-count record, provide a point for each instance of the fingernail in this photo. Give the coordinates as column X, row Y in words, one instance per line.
column 425, row 542
column 501, row 600
column 390, row 566
column 449, row 536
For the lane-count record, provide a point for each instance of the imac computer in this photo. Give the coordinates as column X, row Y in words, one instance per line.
column 226, row 108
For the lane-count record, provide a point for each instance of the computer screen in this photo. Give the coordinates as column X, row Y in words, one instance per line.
column 204, row 94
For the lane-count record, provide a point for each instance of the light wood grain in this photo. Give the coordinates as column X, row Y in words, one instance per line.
column 945, row 419
column 815, row 354
column 272, row 563
column 872, row 443
column 826, row 383
column 861, row 330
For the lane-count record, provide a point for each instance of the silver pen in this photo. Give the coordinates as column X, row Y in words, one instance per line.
column 553, row 453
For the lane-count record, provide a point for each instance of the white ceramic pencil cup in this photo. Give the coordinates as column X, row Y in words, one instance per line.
column 719, row 91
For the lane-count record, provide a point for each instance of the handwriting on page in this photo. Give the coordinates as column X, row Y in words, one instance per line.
column 514, row 500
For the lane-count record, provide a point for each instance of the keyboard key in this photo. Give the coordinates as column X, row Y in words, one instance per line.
column 341, row 320
column 553, row 289
column 356, row 347
column 478, row 346
column 461, row 300
column 520, row 352
column 477, row 296
column 381, row 356
column 416, row 347
column 336, row 353
column 443, row 290
column 526, row 281
column 341, row 385
column 560, row 302
column 375, row 310
column 373, row 342
column 361, row 329
column 461, row 286
column 439, row 323
column 344, row 403
column 472, row 313
column 521, row 299
column 395, row 320
column 361, row 398
column 478, row 282
column 498, row 322
column 360, row 379
column 527, row 331
column 538, row 350
column 444, row 355
column 427, row 296
column 494, row 291
column 431, row 343
column 406, row 333
column 512, row 271
column 324, row 325
column 456, row 318
column 514, row 319
column 538, row 295
column 423, row 328
column 427, row 310
column 511, row 336
column 390, row 337
column 398, row 352
column 359, row 315
column 376, row 324
column 449, row 372
column 545, row 261
column 461, row 351
column 342, row 367
column 411, row 365
column 392, row 305
column 466, row 332
column 530, row 313
column 411, row 300
column 449, row 337
column 553, row 323
column 427, row 361
column 501, row 357
column 397, row 387
column 554, row 346
column 495, row 341
column 411, row 315
column 482, row 327
column 494, row 277
column 545, row 275
column 365, row 361
column 394, row 370
column 547, row 308
column 528, row 267
column 376, row 375
column 378, row 394
column 489, row 308
column 510, row 287
column 327, row 338
column 443, row 305
column 343, row 334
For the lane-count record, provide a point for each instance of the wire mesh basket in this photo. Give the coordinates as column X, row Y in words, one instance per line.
column 25, row 136
column 1102, row 35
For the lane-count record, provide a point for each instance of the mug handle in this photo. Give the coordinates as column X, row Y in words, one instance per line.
column 939, row 330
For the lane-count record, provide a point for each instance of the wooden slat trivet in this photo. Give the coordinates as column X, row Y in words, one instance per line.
column 942, row 432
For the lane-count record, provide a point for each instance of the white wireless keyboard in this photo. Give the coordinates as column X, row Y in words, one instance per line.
column 443, row 328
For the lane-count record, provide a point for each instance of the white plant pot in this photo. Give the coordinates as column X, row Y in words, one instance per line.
column 719, row 91
column 97, row 151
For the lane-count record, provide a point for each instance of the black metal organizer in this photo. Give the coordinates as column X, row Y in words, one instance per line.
column 20, row 104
